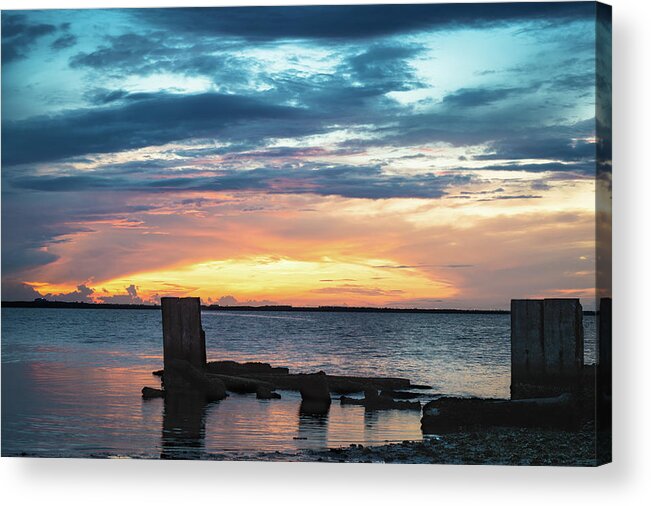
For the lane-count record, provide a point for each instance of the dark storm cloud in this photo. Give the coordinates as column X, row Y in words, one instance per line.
column 577, row 81
column 15, row 290
column 102, row 96
column 123, row 53
column 385, row 66
column 67, row 183
column 26, row 228
column 355, row 93
column 578, row 169
column 358, row 81
column 64, row 41
column 131, row 120
column 346, row 181
column 353, row 22
column 510, row 132
column 32, row 220
column 554, row 148
column 474, row 97
column 146, row 53
column 356, row 89
column 154, row 121
column 25, row 253
column 337, row 97
column 19, row 36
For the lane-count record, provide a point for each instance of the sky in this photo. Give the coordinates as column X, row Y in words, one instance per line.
column 395, row 156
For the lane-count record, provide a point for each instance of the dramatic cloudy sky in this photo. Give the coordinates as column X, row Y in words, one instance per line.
column 428, row 156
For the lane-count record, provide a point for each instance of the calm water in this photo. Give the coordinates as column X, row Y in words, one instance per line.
column 71, row 379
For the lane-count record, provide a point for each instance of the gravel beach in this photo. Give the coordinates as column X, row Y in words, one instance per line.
column 496, row 447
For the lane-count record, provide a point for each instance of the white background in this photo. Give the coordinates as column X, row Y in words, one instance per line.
column 626, row 481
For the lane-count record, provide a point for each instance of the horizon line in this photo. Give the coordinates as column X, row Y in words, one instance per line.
column 266, row 307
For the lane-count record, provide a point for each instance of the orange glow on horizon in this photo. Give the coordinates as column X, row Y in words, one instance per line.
column 329, row 250
column 328, row 281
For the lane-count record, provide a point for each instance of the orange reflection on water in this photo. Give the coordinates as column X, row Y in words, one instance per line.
column 68, row 410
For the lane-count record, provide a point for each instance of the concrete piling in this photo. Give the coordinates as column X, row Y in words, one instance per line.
column 546, row 347
column 563, row 339
column 527, row 344
column 183, row 337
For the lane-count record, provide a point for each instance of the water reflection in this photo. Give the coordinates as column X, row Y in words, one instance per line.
column 184, row 425
column 370, row 418
column 44, row 414
column 313, row 423
column 315, row 409
column 63, row 396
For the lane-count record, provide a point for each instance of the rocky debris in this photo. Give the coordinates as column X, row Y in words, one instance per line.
column 452, row 414
column 314, row 387
column 242, row 385
column 373, row 401
column 152, row 393
column 263, row 379
column 498, row 446
column 399, row 394
column 280, row 378
column 181, row 375
column 344, row 386
column 266, row 393
column 231, row 368
column 354, row 384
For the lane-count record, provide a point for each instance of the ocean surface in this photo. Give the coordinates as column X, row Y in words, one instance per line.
column 71, row 379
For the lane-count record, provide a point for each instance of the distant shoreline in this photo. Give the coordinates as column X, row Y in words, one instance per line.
column 299, row 309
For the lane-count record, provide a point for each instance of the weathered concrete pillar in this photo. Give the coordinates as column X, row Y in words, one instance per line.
column 527, row 347
column 183, row 337
column 546, row 347
column 563, row 340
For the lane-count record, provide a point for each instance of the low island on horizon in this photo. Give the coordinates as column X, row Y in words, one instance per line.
column 43, row 303
column 280, row 307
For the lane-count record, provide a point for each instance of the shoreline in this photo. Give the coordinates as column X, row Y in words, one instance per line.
column 504, row 446
column 498, row 446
